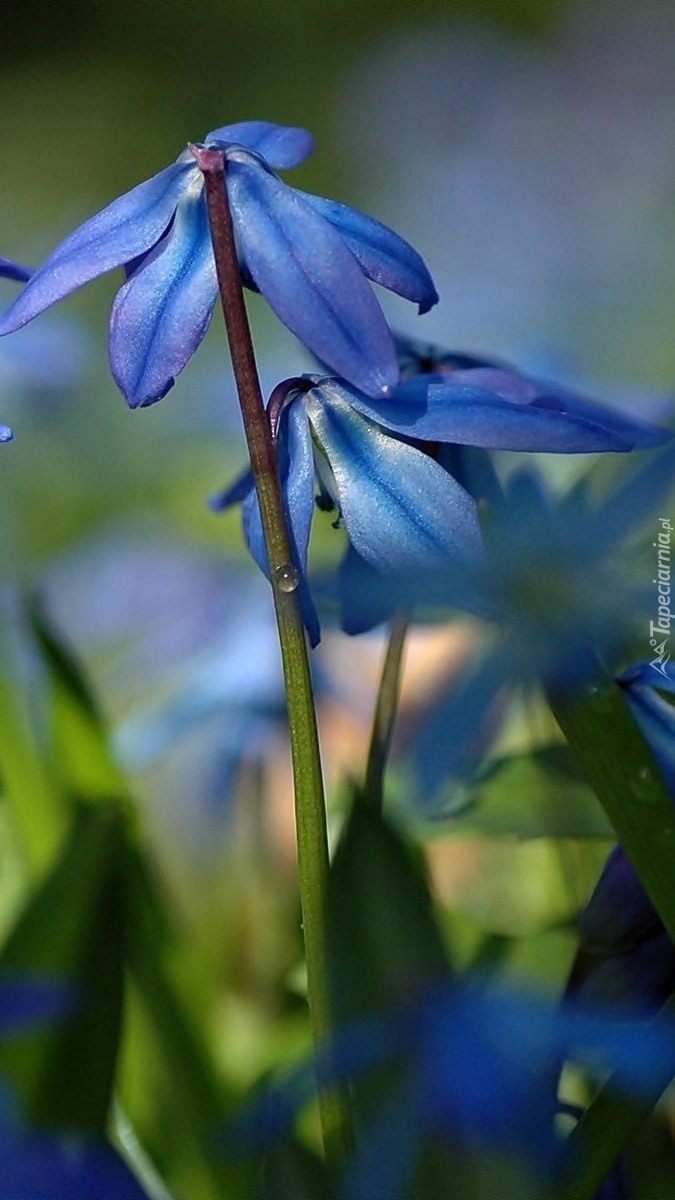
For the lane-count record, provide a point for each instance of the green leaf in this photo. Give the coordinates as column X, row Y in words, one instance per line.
column 543, row 794
column 383, row 941
column 620, row 767
column 79, row 741
column 197, row 1101
column 290, row 1172
column 37, row 806
column 72, row 929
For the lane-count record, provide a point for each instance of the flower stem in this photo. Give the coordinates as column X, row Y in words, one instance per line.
column 310, row 813
column 385, row 712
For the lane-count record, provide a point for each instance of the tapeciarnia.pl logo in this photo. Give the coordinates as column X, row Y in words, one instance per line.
column 662, row 624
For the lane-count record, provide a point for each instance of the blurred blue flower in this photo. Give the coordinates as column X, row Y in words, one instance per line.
column 548, row 570
column 308, row 256
column 476, row 1071
column 185, row 652
column 221, row 688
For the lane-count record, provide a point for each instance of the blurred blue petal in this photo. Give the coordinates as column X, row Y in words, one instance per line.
column 455, row 730
column 41, row 1167
column 6, row 434
column 477, row 1069
column 26, row 999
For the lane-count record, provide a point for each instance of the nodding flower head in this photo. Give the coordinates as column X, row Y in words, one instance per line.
column 310, row 257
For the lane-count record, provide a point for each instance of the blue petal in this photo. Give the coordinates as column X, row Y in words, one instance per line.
column 235, row 493
column 6, row 434
column 382, row 255
column 296, row 470
column 311, row 279
column 281, row 146
column 402, row 511
column 162, row 312
column 26, row 999
column 618, row 912
column 366, row 596
column 634, row 501
column 452, row 735
column 12, row 270
column 457, row 411
column 126, row 228
column 65, row 1168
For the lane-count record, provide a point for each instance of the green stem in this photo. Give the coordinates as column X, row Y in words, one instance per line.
column 385, row 713
column 310, row 813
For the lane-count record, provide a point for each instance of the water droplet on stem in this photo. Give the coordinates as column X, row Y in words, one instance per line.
column 287, row 578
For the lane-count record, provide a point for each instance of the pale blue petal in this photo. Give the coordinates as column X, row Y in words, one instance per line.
column 6, row 434
column 125, row 229
column 162, row 312
column 311, row 279
column 382, row 255
column 281, row 146
column 402, row 511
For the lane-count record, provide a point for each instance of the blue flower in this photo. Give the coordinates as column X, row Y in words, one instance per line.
column 382, row 463
column 308, row 256
column 67, row 1167
column 401, row 509
column 472, row 1070
column 548, row 570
